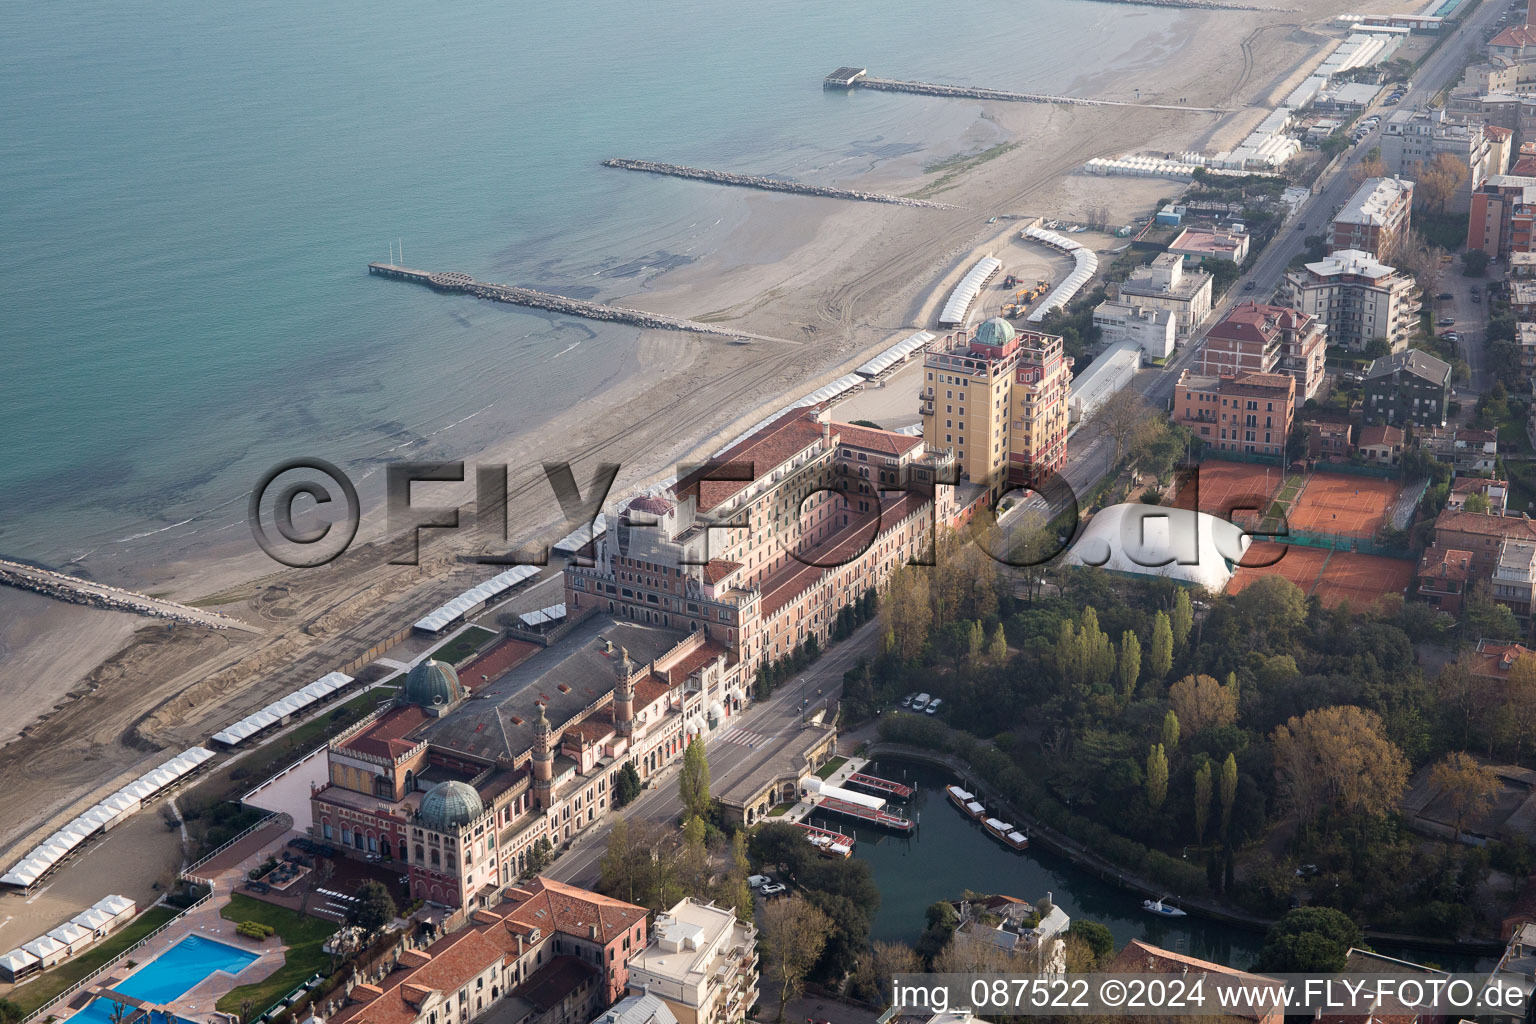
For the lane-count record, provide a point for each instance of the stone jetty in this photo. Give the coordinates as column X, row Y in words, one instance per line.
column 771, row 184
column 978, row 93
column 73, row 589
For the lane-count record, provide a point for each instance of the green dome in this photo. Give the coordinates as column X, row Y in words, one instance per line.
column 433, row 684
column 996, row 332
column 448, row 806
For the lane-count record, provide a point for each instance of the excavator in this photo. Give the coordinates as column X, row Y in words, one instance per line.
column 1023, row 297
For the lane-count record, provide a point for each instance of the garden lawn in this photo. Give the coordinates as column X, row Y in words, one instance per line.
column 302, row 935
column 826, row 770
column 463, row 646
column 35, row 993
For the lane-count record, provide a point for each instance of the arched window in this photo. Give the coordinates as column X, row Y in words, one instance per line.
column 385, row 850
column 420, row 854
column 436, row 860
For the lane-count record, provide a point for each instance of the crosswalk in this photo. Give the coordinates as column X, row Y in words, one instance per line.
column 741, row 737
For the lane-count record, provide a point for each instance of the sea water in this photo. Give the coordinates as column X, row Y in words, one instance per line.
column 193, row 190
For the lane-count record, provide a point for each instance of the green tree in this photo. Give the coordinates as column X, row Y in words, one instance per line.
column 374, row 908
column 1130, row 663
column 1098, row 938
column 998, row 652
column 1182, row 619
column 1202, row 800
column 693, row 780
column 939, row 927
column 1157, row 776
column 538, row 855
column 1160, row 659
column 627, row 786
column 1308, row 940
column 1170, row 730
column 10, row 1013
column 975, row 643
column 793, row 935
column 1228, row 790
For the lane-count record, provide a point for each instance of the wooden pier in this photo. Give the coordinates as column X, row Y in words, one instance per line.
column 758, row 181
column 877, row 786
column 459, row 282
column 821, row 833
column 866, row 815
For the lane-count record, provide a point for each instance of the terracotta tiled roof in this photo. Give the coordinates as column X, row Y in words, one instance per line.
column 1479, row 524
column 1283, row 381
column 1445, row 563
column 1472, row 484
column 1494, row 658
column 386, row 736
column 1515, row 35
column 550, row 905
column 499, row 659
column 1496, row 133
column 718, row 569
column 1379, row 435
column 556, row 980
column 594, row 728
column 652, row 504
column 649, row 689
column 772, row 446
column 1143, row 958
column 883, row 441
column 707, row 652
column 796, row 577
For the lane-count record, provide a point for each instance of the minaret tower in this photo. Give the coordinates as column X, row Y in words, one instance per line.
column 624, row 691
column 543, row 761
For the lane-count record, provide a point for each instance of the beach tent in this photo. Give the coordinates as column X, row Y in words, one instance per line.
column 47, row 949
column 98, row 922
column 72, row 936
column 120, row 907
column 18, row 963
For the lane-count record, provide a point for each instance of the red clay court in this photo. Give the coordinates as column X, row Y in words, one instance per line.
column 1333, row 576
column 1224, row 486
column 1351, row 506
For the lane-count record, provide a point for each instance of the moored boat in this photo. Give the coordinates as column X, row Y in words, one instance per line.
column 1161, row 909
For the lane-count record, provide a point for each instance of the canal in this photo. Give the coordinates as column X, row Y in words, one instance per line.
column 950, row 853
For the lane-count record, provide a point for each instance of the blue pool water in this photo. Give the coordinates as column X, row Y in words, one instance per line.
column 171, row 975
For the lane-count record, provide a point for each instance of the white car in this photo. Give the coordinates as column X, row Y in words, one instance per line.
column 933, row 705
column 920, row 701
column 773, row 889
column 758, row 880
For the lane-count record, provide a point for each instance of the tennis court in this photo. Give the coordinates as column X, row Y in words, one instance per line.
column 1333, row 576
column 1349, row 506
column 1227, row 486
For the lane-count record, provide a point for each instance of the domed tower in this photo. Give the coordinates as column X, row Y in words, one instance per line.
column 624, row 695
column 434, row 686
column 543, row 760
column 995, row 332
column 449, row 806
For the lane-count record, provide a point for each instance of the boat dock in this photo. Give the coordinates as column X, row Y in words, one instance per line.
column 878, row 786
column 457, row 281
column 823, row 838
column 862, row 80
column 866, row 815
column 770, row 184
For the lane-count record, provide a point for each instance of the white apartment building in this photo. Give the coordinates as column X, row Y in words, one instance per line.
column 701, row 962
column 1152, row 328
column 1357, row 297
column 1412, row 139
column 1167, row 284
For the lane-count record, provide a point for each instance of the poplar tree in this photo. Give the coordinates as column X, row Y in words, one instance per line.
column 693, row 780
column 1202, row 800
column 1228, row 791
column 1182, row 619
column 999, row 649
column 1157, row 776
column 1170, row 730
column 1130, row 663
column 1160, row 661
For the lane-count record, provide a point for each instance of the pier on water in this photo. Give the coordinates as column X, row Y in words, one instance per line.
column 812, row 832
column 877, row 786
column 866, row 815
column 456, row 281
column 851, row 77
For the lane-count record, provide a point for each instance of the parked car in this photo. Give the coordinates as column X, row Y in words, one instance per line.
column 1445, row 296
column 756, row 881
column 1447, row 321
column 906, row 701
column 933, row 706
column 1247, row 286
column 1451, row 336
column 1477, row 296
column 773, row 889
column 920, row 702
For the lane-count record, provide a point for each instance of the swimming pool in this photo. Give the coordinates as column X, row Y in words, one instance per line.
column 171, row 975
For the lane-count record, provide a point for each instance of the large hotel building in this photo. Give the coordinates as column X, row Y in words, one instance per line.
column 736, row 565
column 998, row 398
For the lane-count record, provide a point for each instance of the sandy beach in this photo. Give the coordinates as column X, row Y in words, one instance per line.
column 836, row 280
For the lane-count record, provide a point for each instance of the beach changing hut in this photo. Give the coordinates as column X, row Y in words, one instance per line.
column 17, row 964
column 47, row 949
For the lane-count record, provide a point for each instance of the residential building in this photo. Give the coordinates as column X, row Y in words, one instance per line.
column 1466, row 450
column 758, row 550
column 1196, row 245
column 1016, row 388
column 1016, row 928
column 1110, row 371
column 1514, row 575
column 1328, row 440
column 1481, row 534
column 1412, row 140
column 1522, row 298
column 1250, row 414
column 1153, row 329
column 1167, row 284
column 548, row 953
column 701, row 962
column 1494, row 658
column 1502, row 217
column 1140, row 957
column 1407, row 387
column 1494, row 492
column 1258, row 338
column 1444, row 576
column 1357, row 298
column 1515, row 973
column 1525, row 341
column 1515, row 43
column 1375, row 219
column 1522, row 266
column 1380, row 445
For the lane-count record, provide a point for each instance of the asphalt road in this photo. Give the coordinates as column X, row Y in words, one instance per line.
column 743, row 744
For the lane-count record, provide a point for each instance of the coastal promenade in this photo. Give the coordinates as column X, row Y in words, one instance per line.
column 457, row 281
column 74, row 590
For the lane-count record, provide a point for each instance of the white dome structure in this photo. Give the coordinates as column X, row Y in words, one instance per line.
column 1155, row 540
